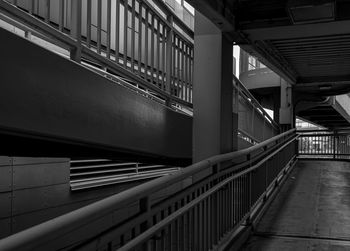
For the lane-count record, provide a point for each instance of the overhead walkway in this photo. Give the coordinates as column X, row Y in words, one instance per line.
column 322, row 105
column 105, row 108
column 311, row 212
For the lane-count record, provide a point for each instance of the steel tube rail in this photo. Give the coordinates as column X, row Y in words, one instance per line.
column 103, row 49
column 324, row 143
column 49, row 231
column 256, row 103
column 151, row 231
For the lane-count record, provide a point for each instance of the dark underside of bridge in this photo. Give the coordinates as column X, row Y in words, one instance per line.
column 325, row 116
column 307, row 42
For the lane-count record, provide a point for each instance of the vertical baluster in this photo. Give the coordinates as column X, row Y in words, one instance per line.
column 158, row 54
column 217, row 204
column 178, row 72
column 75, row 53
column 88, row 23
column 185, row 68
column 169, row 56
column 146, row 44
column 99, row 23
column 206, row 225
column 47, row 11
column 117, row 30
column 152, row 47
column 209, row 224
column 61, row 15
column 191, row 75
column 200, row 225
column 183, row 96
column 231, row 205
column 125, row 49
column 140, row 38
column 180, row 68
column 109, row 9
column 174, row 67
column 31, row 7
column 133, row 30
column 163, row 57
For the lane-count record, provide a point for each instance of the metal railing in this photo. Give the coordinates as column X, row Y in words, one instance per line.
column 157, row 64
column 133, row 39
column 89, row 173
column 216, row 196
column 253, row 121
column 324, row 144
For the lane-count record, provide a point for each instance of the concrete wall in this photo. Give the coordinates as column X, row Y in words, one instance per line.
column 63, row 100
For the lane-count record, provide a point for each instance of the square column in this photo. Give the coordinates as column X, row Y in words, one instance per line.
column 286, row 116
column 213, row 119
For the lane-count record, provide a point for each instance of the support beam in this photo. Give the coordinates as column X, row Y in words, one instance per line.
column 297, row 31
column 213, row 119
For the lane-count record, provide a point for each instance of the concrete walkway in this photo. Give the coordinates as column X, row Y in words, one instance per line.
column 311, row 212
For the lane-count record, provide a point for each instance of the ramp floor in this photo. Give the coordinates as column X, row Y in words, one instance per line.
column 311, row 212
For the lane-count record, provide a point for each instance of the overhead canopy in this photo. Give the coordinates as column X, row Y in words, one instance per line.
column 307, row 42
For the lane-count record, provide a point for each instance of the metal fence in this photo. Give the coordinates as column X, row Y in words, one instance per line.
column 254, row 123
column 217, row 196
column 139, row 44
column 131, row 38
column 325, row 144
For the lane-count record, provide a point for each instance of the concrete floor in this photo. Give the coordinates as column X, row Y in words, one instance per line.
column 311, row 212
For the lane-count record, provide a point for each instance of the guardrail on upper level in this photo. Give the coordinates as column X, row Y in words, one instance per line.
column 150, row 43
column 147, row 46
column 217, row 195
column 324, row 144
column 253, row 121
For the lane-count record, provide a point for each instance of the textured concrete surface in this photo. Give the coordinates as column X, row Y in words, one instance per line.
column 311, row 212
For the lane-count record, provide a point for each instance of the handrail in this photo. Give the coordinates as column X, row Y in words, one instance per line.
column 60, row 38
column 48, row 231
column 148, row 233
column 324, row 143
column 249, row 95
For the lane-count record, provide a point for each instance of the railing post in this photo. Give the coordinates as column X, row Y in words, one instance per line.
column 334, row 151
column 248, row 220
column 75, row 53
column 145, row 207
column 169, row 59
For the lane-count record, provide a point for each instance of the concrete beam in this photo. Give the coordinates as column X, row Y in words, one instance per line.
column 297, row 31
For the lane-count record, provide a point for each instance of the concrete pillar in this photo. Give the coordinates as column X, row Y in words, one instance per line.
column 276, row 105
column 286, row 109
column 213, row 120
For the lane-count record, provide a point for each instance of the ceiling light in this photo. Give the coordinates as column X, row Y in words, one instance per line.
column 311, row 11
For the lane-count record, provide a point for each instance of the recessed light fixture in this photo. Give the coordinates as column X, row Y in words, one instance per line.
column 311, row 11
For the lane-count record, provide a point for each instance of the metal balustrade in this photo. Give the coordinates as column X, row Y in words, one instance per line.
column 253, row 121
column 324, row 144
column 149, row 41
column 162, row 72
column 216, row 197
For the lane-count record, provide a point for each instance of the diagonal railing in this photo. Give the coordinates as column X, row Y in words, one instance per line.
column 157, row 64
column 134, row 39
column 216, row 197
column 254, row 123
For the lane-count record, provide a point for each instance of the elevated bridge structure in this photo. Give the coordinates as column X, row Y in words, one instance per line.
column 129, row 131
